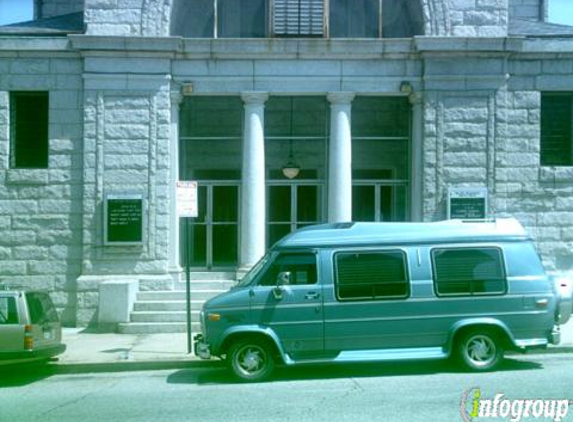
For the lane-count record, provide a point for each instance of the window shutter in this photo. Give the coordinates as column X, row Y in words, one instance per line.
column 298, row 17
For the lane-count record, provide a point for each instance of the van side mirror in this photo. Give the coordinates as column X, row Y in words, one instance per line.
column 283, row 279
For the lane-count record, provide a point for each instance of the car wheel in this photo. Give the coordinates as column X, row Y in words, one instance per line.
column 480, row 351
column 251, row 360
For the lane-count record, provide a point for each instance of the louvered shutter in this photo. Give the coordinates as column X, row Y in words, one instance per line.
column 298, row 17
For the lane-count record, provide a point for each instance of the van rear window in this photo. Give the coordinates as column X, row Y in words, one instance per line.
column 371, row 275
column 468, row 271
column 8, row 313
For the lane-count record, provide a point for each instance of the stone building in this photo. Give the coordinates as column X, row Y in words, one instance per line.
column 286, row 113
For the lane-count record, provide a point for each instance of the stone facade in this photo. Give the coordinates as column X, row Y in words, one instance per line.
column 114, row 104
column 535, row 10
column 40, row 209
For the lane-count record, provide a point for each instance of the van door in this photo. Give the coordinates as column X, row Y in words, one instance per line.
column 293, row 306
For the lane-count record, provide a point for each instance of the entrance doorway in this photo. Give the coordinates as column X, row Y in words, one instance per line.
column 379, row 201
column 214, row 233
column 291, row 206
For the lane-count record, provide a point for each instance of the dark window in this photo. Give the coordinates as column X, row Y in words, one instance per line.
column 556, row 129
column 468, row 271
column 8, row 313
column 302, row 268
column 29, row 129
column 371, row 275
column 41, row 308
column 354, row 18
column 242, row 19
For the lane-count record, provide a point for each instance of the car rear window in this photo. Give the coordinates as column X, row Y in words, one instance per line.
column 41, row 308
column 8, row 313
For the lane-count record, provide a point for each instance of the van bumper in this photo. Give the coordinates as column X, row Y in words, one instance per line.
column 555, row 337
column 201, row 347
column 36, row 354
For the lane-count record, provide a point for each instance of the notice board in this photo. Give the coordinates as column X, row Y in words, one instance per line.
column 123, row 219
column 467, row 203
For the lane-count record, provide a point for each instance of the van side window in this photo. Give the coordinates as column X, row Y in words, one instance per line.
column 8, row 314
column 468, row 271
column 371, row 275
column 302, row 268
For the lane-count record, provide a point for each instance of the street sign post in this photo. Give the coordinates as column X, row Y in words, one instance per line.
column 187, row 208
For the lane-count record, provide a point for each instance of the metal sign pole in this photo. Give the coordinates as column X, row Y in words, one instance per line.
column 188, row 283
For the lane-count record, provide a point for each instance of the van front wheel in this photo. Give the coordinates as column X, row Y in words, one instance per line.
column 251, row 360
column 480, row 351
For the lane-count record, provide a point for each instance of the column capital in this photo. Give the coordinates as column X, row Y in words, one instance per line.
column 415, row 98
column 254, row 97
column 340, row 97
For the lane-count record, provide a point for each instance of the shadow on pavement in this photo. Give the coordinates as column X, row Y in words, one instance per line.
column 22, row 375
column 220, row 375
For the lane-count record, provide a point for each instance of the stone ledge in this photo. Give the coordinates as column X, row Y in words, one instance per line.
column 555, row 174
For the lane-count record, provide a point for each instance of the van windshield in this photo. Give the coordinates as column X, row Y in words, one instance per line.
column 250, row 276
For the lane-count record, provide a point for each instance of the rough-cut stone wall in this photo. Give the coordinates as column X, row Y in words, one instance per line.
column 49, row 8
column 126, row 150
column 40, row 209
column 482, row 130
column 128, row 17
column 535, row 10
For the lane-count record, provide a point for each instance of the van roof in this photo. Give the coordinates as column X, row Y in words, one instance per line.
column 364, row 234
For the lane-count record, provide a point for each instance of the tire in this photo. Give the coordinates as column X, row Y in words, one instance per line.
column 251, row 360
column 479, row 351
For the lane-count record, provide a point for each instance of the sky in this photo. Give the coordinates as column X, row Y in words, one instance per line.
column 560, row 11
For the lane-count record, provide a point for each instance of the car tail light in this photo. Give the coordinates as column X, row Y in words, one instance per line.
column 28, row 337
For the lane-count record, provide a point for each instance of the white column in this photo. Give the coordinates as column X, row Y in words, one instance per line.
column 417, row 159
column 340, row 158
column 253, row 203
column 174, row 266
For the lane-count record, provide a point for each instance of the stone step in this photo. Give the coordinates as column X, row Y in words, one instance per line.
column 157, row 327
column 167, row 305
column 208, row 276
column 167, row 316
column 196, row 295
column 222, row 285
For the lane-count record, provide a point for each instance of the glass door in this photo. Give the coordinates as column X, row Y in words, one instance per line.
column 379, row 201
column 292, row 206
column 214, row 234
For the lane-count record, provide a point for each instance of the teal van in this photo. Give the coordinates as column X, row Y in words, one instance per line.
column 359, row 292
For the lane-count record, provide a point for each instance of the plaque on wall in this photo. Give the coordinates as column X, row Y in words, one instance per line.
column 467, row 203
column 123, row 215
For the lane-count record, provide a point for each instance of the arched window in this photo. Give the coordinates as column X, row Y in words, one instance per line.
column 297, row 18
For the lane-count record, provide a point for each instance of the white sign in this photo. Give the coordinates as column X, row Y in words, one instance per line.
column 187, row 202
column 467, row 203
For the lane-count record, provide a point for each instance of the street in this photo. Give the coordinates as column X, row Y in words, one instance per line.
column 420, row 391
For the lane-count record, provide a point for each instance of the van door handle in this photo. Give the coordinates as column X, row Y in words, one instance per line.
column 311, row 295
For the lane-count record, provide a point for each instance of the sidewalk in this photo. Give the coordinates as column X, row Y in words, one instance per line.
column 133, row 351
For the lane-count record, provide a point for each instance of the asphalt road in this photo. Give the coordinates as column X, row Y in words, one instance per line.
column 421, row 391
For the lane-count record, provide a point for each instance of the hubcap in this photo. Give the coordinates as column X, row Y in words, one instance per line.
column 480, row 350
column 251, row 360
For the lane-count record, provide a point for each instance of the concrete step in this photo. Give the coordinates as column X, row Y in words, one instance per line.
column 172, row 295
column 173, row 316
column 222, row 285
column 208, row 276
column 157, row 327
column 168, row 305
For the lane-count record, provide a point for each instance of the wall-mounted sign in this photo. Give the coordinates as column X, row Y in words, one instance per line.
column 187, row 203
column 123, row 215
column 467, row 203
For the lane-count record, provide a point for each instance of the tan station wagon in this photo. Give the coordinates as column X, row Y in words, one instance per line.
column 30, row 330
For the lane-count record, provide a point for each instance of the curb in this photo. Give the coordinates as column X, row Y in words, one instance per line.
column 124, row 366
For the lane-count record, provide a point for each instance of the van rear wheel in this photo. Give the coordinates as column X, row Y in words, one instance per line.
column 251, row 360
column 480, row 351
